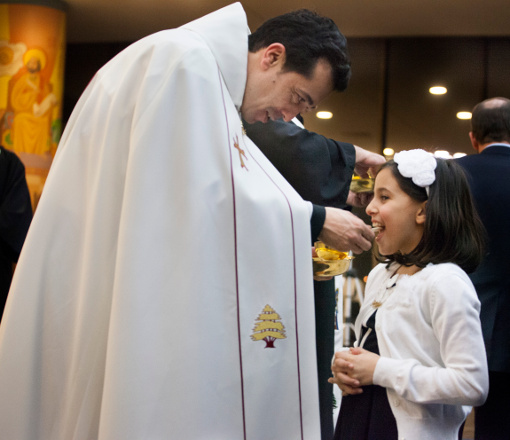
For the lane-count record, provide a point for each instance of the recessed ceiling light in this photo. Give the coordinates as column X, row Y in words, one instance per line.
column 324, row 115
column 464, row 115
column 388, row 152
column 438, row 90
column 457, row 155
column 442, row 154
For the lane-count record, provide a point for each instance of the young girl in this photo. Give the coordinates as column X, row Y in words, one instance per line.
column 419, row 353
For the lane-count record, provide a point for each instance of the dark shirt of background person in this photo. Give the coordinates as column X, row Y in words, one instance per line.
column 15, row 217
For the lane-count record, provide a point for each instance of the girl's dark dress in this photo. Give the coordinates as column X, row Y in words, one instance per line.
column 367, row 416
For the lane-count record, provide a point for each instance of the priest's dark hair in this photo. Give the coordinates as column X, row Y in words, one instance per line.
column 308, row 37
column 453, row 231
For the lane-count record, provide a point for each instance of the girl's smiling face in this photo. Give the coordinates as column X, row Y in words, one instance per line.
column 400, row 217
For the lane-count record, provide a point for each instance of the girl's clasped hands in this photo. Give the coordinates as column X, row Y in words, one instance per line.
column 352, row 369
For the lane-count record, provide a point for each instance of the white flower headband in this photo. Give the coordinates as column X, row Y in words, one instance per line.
column 419, row 165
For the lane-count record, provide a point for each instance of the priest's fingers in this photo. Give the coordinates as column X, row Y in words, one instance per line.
column 361, row 244
column 344, row 231
column 359, row 200
column 367, row 162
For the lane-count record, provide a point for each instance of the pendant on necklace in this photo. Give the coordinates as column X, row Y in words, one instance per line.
column 390, row 284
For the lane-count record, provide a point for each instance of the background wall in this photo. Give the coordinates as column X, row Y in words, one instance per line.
column 387, row 102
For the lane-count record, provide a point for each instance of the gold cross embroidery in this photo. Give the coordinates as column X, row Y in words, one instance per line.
column 241, row 152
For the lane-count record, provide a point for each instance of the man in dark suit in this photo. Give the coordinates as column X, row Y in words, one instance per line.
column 489, row 177
column 15, row 217
column 320, row 170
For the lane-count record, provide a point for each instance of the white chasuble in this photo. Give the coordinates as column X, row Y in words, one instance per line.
column 165, row 287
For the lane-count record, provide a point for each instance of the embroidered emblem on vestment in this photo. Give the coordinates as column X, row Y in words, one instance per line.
column 268, row 327
column 241, row 152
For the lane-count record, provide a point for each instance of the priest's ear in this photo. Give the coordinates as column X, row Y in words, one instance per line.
column 273, row 55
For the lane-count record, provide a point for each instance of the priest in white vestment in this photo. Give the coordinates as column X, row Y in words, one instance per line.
column 165, row 286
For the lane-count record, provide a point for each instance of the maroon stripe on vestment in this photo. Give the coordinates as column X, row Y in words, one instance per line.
column 295, row 285
column 235, row 253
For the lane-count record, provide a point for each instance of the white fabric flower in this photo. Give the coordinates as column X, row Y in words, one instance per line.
column 419, row 165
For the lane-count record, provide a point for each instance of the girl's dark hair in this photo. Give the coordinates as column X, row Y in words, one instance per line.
column 308, row 37
column 453, row 232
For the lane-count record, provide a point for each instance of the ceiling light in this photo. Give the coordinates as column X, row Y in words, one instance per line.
column 324, row 115
column 464, row 115
column 457, row 155
column 438, row 90
column 388, row 152
column 443, row 154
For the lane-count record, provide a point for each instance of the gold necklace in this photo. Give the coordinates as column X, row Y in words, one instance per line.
column 390, row 284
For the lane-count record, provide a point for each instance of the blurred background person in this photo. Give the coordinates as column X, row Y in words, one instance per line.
column 15, row 217
column 489, row 178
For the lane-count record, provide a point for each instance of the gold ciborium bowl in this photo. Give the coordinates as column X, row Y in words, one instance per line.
column 330, row 262
column 361, row 184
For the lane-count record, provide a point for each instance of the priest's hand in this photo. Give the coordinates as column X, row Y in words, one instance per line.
column 344, row 231
column 360, row 199
column 367, row 162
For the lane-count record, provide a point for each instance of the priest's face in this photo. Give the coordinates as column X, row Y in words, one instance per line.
column 273, row 93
